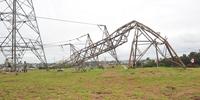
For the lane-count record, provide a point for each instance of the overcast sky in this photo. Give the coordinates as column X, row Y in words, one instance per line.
column 179, row 20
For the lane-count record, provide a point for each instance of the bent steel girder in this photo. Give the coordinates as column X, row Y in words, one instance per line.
column 150, row 39
column 91, row 51
column 119, row 37
column 113, row 52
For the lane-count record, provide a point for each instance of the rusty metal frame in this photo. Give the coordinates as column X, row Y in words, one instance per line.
column 119, row 37
column 112, row 52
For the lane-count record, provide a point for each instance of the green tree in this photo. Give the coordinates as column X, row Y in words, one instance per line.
column 185, row 59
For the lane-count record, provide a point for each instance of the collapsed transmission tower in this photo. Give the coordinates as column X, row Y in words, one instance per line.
column 120, row 36
column 19, row 31
column 113, row 52
column 73, row 51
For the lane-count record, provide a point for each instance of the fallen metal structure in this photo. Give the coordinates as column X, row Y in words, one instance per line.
column 88, row 42
column 143, row 35
column 112, row 52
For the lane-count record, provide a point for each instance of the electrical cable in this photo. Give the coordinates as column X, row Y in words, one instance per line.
column 65, row 42
column 69, row 21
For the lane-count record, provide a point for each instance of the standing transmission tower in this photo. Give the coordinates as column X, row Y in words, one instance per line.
column 19, row 31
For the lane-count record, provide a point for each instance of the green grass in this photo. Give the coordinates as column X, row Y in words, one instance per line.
column 108, row 84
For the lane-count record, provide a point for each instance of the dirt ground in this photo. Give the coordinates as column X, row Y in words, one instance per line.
column 103, row 84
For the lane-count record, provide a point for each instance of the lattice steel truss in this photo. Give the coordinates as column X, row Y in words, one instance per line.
column 148, row 37
column 19, row 31
column 112, row 52
column 74, row 51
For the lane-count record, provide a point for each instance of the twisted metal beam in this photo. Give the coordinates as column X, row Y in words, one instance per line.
column 119, row 37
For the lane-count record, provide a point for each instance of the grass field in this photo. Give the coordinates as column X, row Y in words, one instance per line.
column 99, row 84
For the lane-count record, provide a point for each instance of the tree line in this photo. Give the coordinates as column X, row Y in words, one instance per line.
column 190, row 60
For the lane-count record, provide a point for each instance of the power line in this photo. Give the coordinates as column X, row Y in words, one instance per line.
column 69, row 21
column 52, row 44
column 68, row 41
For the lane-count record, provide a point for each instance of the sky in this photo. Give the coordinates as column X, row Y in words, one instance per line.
column 178, row 20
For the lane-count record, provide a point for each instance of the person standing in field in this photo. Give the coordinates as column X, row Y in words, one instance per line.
column 25, row 67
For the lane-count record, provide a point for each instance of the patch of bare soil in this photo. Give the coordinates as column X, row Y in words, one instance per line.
column 152, row 73
column 195, row 98
column 100, row 95
column 51, row 89
column 169, row 91
column 20, row 97
column 110, row 74
column 189, row 93
column 1, row 94
column 10, row 81
column 112, row 78
column 130, row 95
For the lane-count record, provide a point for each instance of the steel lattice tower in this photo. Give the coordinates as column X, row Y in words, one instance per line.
column 143, row 36
column 19, row 31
